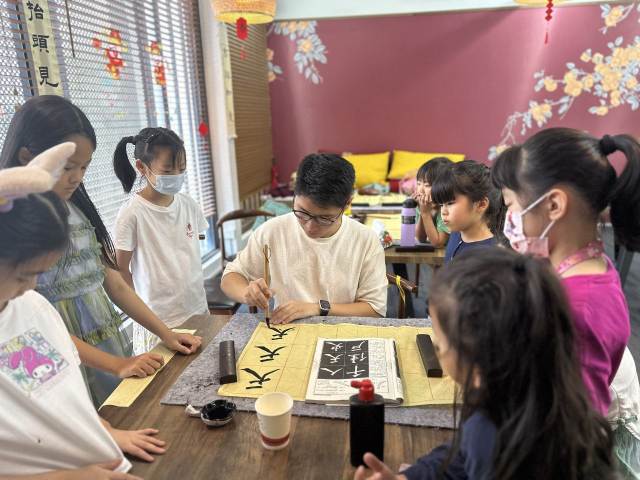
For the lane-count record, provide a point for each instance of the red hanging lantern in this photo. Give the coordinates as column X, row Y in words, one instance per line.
column 242, row 29
column 548, row 18
column 243, row 13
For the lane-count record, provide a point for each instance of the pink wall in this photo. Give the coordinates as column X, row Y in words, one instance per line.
column 442, row 82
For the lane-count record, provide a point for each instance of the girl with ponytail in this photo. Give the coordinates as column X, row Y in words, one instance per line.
column 157, row 231
column 556, row 185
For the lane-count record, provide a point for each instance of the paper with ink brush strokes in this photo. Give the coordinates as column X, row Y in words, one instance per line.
column 287, row 369
column 130, row 388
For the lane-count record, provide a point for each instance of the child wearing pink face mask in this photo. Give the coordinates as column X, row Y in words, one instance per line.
column 555, row 186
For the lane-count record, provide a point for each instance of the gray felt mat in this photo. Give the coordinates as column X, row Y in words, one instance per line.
column 198, row 384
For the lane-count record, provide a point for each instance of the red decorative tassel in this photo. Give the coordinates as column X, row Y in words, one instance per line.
column 242, row 29
column 548, row 18
column 203, row 129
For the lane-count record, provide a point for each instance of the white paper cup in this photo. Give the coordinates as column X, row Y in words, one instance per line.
column 274, row 418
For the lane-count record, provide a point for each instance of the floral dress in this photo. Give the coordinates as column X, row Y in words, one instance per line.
column 74, row 287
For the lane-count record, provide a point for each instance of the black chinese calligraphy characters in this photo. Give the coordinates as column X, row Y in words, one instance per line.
column 35, row 11
column 260, row 379
column 44, row 77
column 270, row 355
column 41, row 42
column 280, row 333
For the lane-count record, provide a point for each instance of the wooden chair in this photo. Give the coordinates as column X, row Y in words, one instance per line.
column 405, row 289
column 235, row 215
column 216, row 299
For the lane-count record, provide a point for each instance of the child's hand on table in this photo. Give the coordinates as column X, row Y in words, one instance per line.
column 101, row 471
column 139, row 443
column 380, row 470
column 258, row 294
column 292, row 310
column 184, row 343
column 140, row 366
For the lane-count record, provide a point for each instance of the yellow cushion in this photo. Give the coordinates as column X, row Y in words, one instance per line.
column 405, row 162
column 370, row 168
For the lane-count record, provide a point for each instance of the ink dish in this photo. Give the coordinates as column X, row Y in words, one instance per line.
column 217, row 413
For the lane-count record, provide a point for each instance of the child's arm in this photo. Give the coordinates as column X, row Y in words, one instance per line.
column 137, row 442
column 123, row 258
column 437, row 238
column 139, row 366
column 421, row 234
column 102, row 471
column 124, row 297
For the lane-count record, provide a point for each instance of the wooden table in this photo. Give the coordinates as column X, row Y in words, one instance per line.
column 319, row 447
column 433, row 259
column 392, row 225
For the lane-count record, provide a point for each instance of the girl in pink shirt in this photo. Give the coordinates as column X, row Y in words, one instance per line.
column 555, row 186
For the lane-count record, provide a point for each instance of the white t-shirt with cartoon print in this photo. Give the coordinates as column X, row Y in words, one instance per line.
column 166, row 265
column 47, row 420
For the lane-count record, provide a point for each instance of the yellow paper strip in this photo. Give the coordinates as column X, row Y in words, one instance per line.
column 288, row 368
column 130, row 388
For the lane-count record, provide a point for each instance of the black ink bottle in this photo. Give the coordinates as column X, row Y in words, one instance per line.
column 366, row 418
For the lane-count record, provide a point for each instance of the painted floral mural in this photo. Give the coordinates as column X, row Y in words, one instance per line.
column 609, row 79
column 310, row 51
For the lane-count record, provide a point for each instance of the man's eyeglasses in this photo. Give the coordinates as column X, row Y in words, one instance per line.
column 320, row 220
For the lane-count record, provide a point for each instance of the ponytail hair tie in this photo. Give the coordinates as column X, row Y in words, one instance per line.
column 133, row 139
column 607, row 145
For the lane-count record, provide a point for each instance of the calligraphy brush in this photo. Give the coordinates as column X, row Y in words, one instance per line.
column 267, row 279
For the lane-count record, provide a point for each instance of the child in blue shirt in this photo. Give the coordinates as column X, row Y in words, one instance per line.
column 502, row 329
column 471, row 207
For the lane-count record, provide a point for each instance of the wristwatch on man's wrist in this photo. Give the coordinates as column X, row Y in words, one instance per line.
column 325, row 307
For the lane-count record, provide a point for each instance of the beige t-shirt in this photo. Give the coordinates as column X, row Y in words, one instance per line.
column 347, row 267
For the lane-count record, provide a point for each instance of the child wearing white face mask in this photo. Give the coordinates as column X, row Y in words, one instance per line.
column 157, row 232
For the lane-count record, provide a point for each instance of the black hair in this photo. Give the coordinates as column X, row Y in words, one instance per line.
column 507, row 319
column 567, row 156
column 35, row 226
column 326, row 178
column 145, row 145
column 473, row 180
column 431, row 170
column 41, row 123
